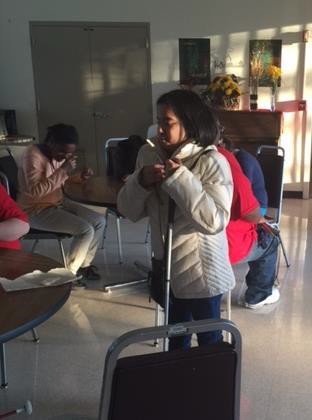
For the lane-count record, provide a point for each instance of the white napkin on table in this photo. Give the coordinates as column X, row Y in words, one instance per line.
column 37, row 278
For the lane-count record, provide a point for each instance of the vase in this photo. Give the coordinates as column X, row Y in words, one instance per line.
column 273, row 98
column 253, row 93
column 226, row 102
column 231, row 103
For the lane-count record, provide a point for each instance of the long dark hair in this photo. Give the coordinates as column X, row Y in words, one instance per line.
column 198, row 120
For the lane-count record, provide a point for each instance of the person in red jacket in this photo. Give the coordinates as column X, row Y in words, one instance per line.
column 13, row 222
column 246, row 245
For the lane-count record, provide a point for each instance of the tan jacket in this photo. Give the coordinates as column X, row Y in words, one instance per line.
column 203, row 196
column 39, row 181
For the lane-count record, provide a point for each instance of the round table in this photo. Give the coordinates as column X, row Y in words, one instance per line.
column 22, row 310
column 99, row 191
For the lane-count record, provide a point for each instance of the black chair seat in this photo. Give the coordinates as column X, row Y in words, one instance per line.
column 46, row 234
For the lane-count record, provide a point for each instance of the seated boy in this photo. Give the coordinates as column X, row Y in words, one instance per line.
column 244, row 243
column 44, row 168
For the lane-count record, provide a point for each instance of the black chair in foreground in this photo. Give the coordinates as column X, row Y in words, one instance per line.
column 9, row 168
column 199, row 383
column 271, row 159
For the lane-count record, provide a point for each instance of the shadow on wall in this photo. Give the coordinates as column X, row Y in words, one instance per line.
column 158, row 89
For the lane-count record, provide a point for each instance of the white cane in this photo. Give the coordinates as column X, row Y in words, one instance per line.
column 168, row 267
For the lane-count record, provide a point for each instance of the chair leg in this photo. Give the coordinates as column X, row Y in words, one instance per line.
column 104, row 231
column 228, row 335
column 283, row 250
column 62, row 252
column 119, row 240
column 35, row 335
column 157, row 322
column 4, row 378
column 278, row 263
column 228, row 305
column 34, row 246
column 147, row 233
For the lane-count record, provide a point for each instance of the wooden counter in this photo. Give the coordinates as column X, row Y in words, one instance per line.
column 250, row 129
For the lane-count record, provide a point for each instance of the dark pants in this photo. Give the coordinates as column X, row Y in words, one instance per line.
column 183, row 310
column 262, row 271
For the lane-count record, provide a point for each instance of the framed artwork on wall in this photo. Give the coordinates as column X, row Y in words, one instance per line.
column 194, row 59
column 265, row 58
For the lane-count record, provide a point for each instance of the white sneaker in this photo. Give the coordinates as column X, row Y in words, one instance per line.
column 273, row 298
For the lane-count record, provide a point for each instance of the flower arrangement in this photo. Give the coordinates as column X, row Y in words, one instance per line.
column 274, row 73
column 256, row 65
column 223, row 92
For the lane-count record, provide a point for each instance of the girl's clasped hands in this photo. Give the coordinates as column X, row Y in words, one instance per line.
column 154, row 174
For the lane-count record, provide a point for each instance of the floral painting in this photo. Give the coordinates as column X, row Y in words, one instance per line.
column 265, row 61
column 194, row 58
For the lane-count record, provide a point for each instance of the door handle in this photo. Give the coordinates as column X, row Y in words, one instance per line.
column 99, row 114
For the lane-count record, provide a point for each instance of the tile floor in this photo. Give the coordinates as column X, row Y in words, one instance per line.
column 62, row 374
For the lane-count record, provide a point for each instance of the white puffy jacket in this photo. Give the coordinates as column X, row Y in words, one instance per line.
column 203, row 196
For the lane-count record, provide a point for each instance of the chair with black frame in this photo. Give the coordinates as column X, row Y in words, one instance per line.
column 201, row 382
column 4, row 181
column 120, row 161
column 9, row 168
column 271, row 159
column 109, row 150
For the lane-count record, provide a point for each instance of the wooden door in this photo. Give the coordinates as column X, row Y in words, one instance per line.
column 62, row 74
column 122, row 103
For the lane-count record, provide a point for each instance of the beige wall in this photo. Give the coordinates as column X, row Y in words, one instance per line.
column 228, row 25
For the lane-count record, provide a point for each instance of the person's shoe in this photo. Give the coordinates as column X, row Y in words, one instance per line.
column 79, row 283
column 273, row 298
column 89, row 273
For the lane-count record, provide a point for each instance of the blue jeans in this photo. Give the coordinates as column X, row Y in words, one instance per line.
column 183, row 310
column 262, row 271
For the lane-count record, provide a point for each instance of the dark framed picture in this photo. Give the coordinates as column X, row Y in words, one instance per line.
column 265, row 60
column 194, row 57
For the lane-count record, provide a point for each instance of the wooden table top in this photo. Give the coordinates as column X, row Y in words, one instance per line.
column 97, row 191
column 22, row 310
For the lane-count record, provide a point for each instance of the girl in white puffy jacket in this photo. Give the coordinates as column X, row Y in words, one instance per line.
column 186, row 166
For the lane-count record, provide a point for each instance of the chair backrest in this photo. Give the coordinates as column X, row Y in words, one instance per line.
column 109, row 150
column 121, row 155
column 271, row 160
column 152, row 131
column 202, row 382
column 9, row 168
column 5, row 182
